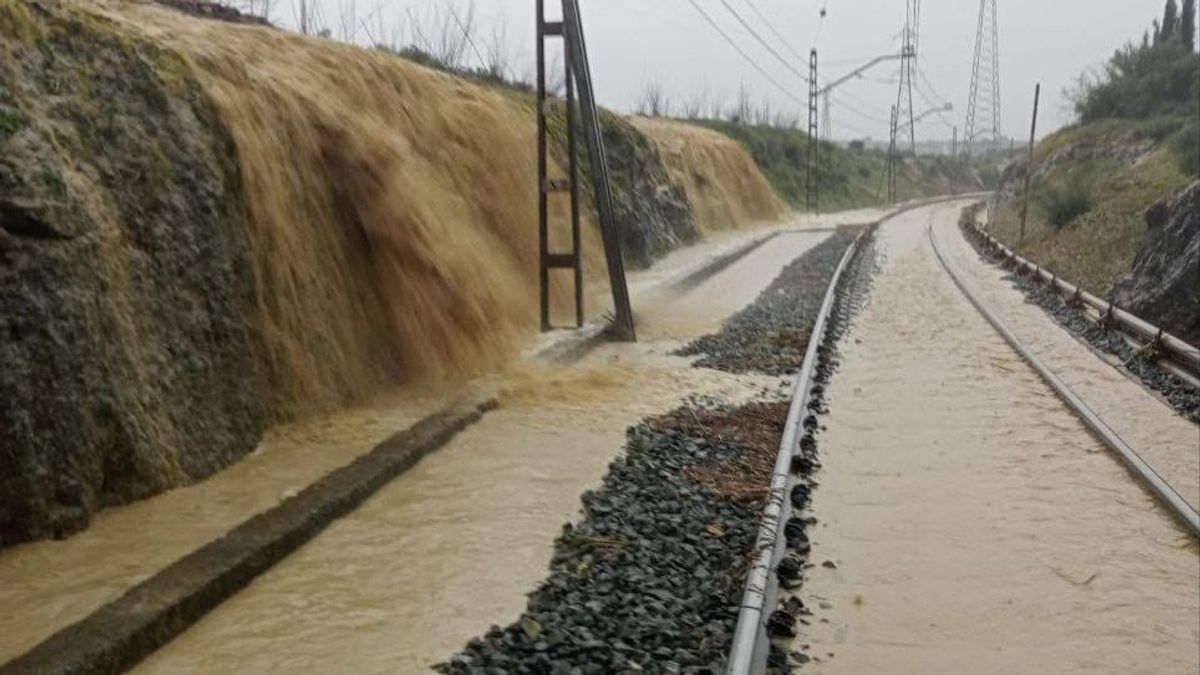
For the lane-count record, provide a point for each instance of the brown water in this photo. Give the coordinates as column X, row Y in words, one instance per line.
column 389, row 206
column 1169, row 442
column 975, row 525
column 722, row 182
column 520, row 452
column 47, row 585
column 453, row 545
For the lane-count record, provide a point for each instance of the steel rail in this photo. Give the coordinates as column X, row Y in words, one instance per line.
column 1175, row 503
column 1185, row 355
column 750, row 641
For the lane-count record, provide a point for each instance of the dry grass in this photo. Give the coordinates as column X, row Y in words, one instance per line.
column 1097, row 248
column 756, row 428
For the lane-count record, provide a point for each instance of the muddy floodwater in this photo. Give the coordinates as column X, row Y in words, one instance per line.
column 442, row 552
column 452, row 546
column 971, row 522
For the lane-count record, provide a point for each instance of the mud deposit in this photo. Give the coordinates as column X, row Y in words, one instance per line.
column 649, row 579
column 1183, row 397
column 770, row 336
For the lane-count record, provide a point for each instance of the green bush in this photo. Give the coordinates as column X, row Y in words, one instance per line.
column 1185, row 147
column 1062, row 201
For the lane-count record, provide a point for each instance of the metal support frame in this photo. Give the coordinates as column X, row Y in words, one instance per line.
column 891, row 162
column 811, row 190
column 579, row 101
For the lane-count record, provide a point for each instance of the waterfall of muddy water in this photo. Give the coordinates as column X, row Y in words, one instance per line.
column 976, row 526
column 453, row 545
column 390, row 207
column 722, row 183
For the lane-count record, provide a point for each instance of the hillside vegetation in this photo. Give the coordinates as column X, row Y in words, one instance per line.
column 1137, row 142
column 849, row 178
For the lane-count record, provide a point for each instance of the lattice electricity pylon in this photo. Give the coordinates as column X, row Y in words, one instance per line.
column 908, row 54
column 810, row 180
column 983, row 103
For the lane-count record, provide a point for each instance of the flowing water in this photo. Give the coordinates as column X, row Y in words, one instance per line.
column 487, row 507
column 453, row 545
column 973, row 523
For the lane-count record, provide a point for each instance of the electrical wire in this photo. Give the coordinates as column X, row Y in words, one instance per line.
column 761, row 41
column 762, row 71
column 856, row 111
column 771, row 27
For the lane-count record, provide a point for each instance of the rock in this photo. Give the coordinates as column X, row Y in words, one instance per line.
column 1162, row 287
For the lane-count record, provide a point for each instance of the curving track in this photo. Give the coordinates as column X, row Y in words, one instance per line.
column 969, row 518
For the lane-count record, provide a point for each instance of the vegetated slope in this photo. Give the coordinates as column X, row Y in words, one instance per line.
column 1091, row 186
column 208, row 228
column 849, row 178
column 1137, row 145
column 722, row 183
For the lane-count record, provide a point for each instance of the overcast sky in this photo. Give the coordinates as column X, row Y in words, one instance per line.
column 633, row 42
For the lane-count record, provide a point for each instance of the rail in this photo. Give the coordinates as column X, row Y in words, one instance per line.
column 1184, row 355
column 751, row 643
column 1142, row 469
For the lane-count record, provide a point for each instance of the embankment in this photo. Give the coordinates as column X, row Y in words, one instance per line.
column 720, row 179
column 1109, row 203
column 208, row 228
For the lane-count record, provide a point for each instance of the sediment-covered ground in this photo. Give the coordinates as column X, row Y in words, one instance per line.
column 649, row 579
column 651, row 576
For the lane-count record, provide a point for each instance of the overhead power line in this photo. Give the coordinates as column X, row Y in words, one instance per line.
column 771, row 27
column 732, row 43
column 763, row 42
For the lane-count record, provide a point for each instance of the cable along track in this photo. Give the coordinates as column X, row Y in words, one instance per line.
column 1138, row 466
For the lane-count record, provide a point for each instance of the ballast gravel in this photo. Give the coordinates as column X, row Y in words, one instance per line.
column 770, row 335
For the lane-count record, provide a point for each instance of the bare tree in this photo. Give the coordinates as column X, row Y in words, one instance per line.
column 497, row 54
column 716, row 107
column 652, row 104
column 696, row 106
column 740, row 114
column 347, row 20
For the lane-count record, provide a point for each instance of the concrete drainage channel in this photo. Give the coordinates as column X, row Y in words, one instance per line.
column 147, row 616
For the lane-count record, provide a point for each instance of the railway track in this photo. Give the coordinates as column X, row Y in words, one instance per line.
column 759, row 615
column 1172, row 353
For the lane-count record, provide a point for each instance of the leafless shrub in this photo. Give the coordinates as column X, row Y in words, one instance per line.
column 654, row 101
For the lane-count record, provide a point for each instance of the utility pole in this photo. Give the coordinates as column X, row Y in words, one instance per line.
column 1037, row 94
column 954, row 144
column 891, row 164
column 580, row 98
column 810, row 188
column 983, row 102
